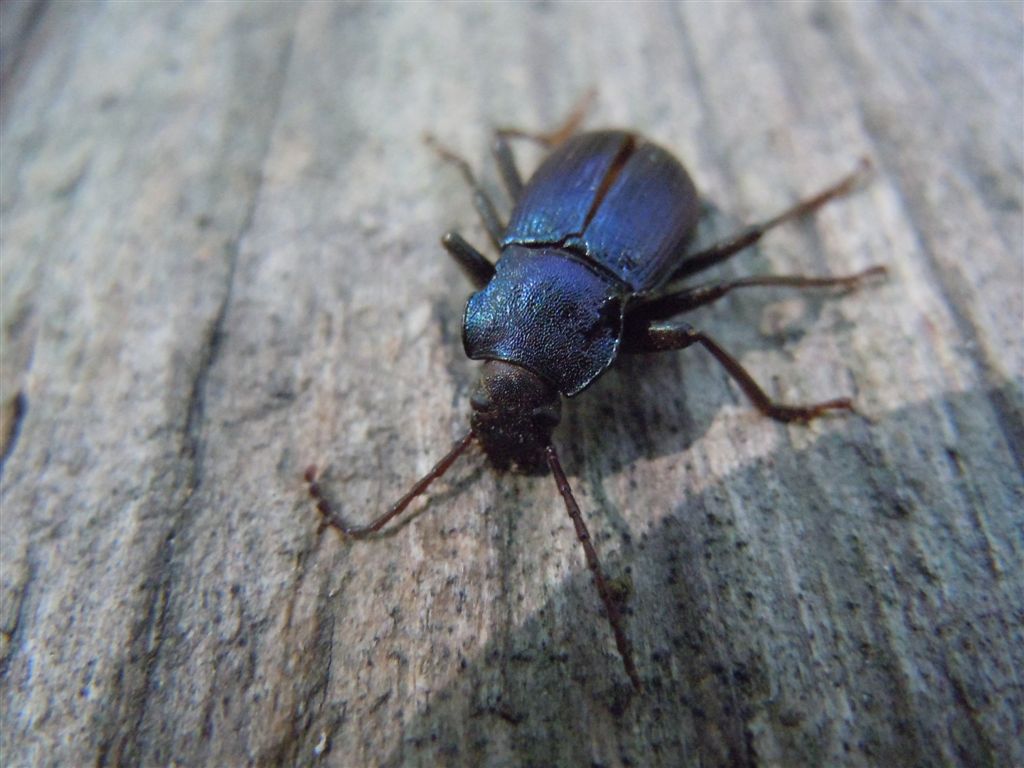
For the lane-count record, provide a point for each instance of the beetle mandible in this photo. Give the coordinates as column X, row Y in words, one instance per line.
column 593, row 264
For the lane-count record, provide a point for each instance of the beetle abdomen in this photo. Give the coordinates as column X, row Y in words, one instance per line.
column 614, row 198
column 546, row 311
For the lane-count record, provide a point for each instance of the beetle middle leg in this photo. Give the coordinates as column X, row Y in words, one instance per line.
column 654, row 336
column 477, row 267
column 677, row 302
column 719, row 252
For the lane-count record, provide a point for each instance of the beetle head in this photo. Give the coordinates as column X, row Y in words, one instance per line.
column 514, row 413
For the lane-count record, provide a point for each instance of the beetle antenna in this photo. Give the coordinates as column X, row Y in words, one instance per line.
column 332, row 519
column 611, row 607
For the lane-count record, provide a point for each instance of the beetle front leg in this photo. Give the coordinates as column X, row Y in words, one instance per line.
column 664, row 336
column 474, row 264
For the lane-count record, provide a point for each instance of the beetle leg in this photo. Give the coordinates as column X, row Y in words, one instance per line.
column 331, row 518
column 675, row 303
column 569, row 126
column 550, row 139
column 481, row 200
column 664, row 336
column 474, row 264
column 721, row 251
column 610, row 606
column 507, row 165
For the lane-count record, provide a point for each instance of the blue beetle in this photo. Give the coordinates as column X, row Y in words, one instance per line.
column 592, row 264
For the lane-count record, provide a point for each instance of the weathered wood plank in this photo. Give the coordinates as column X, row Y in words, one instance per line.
column 220, row 263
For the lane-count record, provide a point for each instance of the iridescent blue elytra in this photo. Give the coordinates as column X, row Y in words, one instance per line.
column 606, row 217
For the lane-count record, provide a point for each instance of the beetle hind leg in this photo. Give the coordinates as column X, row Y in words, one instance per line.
column 567, row 128
column 481, row 200
column 653, row 336
column 720, row 251
column 506, row 161
column 549, row 139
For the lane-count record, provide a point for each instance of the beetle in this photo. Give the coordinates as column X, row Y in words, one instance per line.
column 593, row 263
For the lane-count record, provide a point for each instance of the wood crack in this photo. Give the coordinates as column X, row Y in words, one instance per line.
column 122, row 744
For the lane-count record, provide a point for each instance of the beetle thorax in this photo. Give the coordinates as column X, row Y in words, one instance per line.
column 514, row 413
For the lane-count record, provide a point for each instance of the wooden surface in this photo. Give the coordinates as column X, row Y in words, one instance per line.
column 220, row 264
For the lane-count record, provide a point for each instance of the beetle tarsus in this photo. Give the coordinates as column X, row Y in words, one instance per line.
column 571, row 123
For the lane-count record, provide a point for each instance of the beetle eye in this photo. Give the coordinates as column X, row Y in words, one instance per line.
column 480, row 402
column 548, row 415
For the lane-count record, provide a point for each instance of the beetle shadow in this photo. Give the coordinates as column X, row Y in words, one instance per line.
column 652, row 394
column 652, row 405
column 694, row 621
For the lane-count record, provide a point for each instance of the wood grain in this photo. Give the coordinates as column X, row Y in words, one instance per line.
column 220, row 264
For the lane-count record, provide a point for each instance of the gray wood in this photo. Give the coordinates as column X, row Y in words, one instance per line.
column 220, row 264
